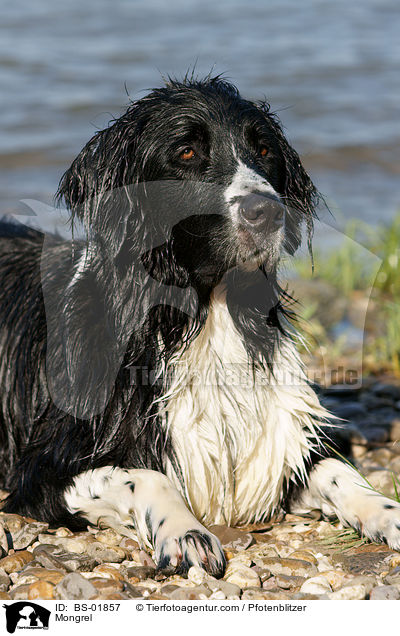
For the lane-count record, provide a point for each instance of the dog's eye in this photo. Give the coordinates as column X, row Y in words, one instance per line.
column 187, row 154
column 263, row 150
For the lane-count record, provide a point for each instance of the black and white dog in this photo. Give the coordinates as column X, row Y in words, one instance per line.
column 149, row 379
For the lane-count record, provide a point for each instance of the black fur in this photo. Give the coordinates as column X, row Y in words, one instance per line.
column 154, row 223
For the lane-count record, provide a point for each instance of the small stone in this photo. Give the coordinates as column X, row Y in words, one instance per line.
column 349, row 593
column 381, row 456
column 335, row 578
column 232, row 538
column 108, row 572
column 176, row 579
column 262, row 550
column 129, row 544
column 133, row 592
column 304, row 555
column 141, row 572
column 384, row 593
column 109, row 537
column 263, row 573
column 350, row 410
column 13, row 522
column 74, row 586
column 242, row 576
column 111, row 596
column 291, row 567
column 4, row 580
column 19, row 593
column 376, row 434
column 391, row 391
column 46, row 548
column 395, row 466
column 230, row 590
column 15, row 562
column 255, row 594
column 316, row 585
column 22, row 578
column 27, row 534
column 148, row 585
column 382, row 481
column 393, row 579
column 324, row 564
column 106, row 585
column 287, row 582
column 190, row 593
column 74, row 562
column 241, row 558
column 146, row 560
column 103, row 553
column 48, row 561
column 41, row 589
column 52, row 576
column 168, row 588
column 197, row 575
column 63, row 532
column 395, row 429
column 300, row 596
column 75, row 544
column 157, row 597
column 218, row 595
column 369, row 582
column 394, row 561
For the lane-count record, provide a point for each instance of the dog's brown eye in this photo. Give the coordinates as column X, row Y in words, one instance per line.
column 188, row 153
column 263, row 151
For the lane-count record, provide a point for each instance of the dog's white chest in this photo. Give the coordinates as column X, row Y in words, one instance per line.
column 237, row 435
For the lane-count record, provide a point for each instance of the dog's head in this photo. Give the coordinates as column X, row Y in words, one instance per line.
column 199, row 166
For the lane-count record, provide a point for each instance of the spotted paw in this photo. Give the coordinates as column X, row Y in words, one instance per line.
column 195, row 547
column 382, row 524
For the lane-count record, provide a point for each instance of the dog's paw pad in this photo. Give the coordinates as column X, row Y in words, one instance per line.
column 195, row 547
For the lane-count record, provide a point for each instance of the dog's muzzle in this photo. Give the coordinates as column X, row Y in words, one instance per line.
column 261, row 213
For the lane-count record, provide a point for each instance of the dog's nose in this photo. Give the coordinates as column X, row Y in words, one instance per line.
column 261, row 212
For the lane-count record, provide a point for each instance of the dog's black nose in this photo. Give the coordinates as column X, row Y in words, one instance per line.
column 261, row 212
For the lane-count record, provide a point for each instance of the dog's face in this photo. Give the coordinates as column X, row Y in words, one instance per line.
column 213, row 166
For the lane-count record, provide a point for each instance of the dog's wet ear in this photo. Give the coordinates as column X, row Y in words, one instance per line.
column 97, row 187
column 300, row 195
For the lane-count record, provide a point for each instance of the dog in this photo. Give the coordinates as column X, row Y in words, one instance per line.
column 149, row 376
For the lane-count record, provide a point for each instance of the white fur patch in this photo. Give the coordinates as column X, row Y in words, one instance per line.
column 237, row 437
column 246, row 181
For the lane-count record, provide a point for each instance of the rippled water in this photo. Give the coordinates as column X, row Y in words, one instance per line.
column 330, row 69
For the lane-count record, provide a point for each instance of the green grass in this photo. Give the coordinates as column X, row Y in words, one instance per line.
column 348, row 538
column 348, row 269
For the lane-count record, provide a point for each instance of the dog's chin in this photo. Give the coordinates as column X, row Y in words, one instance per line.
column 267, row 254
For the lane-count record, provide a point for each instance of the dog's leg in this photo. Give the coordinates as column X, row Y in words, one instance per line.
column 145, row 501
column 339, row 490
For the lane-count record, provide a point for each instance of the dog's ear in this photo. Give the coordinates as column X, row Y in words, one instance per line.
column 300, row 195
column 97, row 186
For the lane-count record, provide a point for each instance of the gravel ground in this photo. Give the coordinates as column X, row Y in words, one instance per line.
column 290, row 557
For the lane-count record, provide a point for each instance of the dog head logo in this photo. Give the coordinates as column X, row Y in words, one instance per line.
column 26, row 615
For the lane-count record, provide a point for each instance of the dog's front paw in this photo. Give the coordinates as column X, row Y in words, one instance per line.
column 195, row 547
column 382, row 524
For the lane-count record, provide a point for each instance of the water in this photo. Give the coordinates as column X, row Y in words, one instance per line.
column 330, row 69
